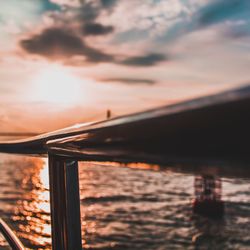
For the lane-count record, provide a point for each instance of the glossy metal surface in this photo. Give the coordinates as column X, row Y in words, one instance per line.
column 214, row 128
column 9, row 235
column 217, row 124
column 65, row 204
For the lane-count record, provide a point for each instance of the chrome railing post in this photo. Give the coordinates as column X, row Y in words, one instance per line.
column 65, row 203
column 10, row 237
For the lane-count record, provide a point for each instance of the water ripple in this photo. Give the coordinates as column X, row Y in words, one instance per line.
column 124, row 208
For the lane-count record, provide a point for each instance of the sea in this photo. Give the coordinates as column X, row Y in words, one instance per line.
column 133, row 206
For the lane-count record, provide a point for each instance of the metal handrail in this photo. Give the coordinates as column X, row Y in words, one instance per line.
column 215, row 126
column 10, row 237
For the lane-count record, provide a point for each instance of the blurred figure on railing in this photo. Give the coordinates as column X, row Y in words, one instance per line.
column 108, row 114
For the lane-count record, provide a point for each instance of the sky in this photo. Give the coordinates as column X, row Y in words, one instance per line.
column 67, row 61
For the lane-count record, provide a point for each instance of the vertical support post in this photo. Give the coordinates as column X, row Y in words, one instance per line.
column 65, row 203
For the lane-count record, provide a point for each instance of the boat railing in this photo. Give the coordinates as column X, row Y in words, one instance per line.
column 10, row 236
column 213, row 126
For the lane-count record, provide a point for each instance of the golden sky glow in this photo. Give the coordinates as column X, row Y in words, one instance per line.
column 55, row 84
column 75, row 59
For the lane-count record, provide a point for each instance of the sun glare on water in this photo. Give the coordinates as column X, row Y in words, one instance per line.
column 56, row 84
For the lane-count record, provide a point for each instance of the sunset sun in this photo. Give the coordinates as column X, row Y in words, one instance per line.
column 56, row 84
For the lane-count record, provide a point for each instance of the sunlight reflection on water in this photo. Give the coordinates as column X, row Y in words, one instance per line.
column 24, row 198
column 133, row 207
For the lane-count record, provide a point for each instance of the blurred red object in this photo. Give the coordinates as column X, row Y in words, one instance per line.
column 208, row 196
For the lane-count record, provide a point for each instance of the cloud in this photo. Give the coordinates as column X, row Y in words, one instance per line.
column 152, row 16
column 129, row 81
column 82, row 11
column 96, row 29
column 145, row 60
column 58, row 43
column 221, row 10
column 239, row 32
column 87, row 12
column 215, row 12
column 64, row 37
column 21, row 14
column 74, row 3
column 233, row 14
column 108, row 3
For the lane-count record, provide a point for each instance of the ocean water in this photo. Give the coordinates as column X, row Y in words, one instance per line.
column 124, row 207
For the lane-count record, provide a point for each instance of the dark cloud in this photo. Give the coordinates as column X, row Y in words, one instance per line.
column 57, row 43
column 129, row 81
column 96, row 29
column 145, row 60
column 108, row 3
column 54, row 42
column 88, row 12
